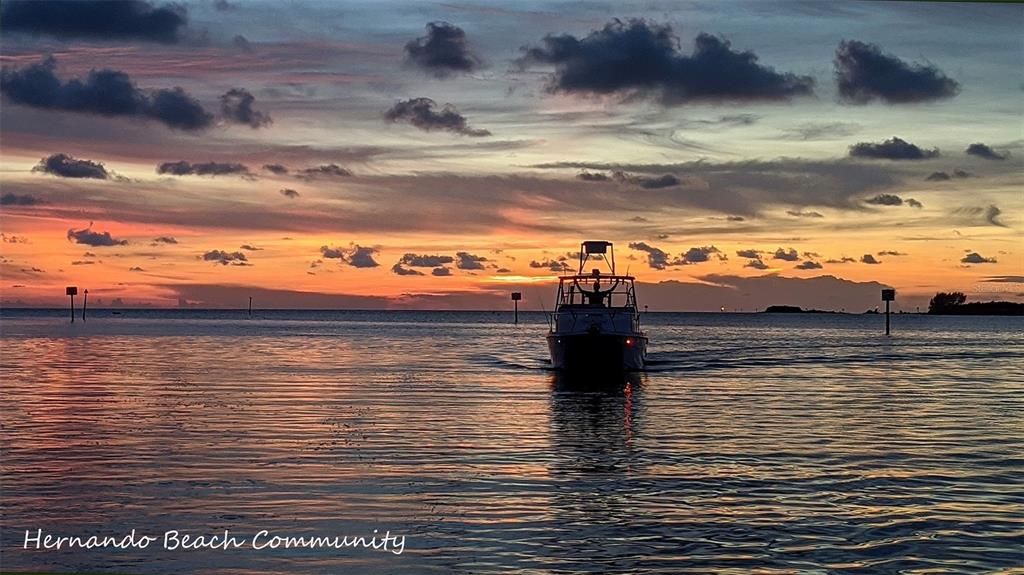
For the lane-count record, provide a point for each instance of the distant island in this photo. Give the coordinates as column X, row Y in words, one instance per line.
column 955, row 303
column 792, row 309
column 951, row 303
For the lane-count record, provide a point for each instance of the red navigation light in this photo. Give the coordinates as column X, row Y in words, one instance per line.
column 629, row 341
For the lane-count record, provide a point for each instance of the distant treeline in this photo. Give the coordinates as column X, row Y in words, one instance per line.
column 955, row 303
column 792, row 309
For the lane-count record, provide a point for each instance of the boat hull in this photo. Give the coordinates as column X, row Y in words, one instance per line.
column 597, row 352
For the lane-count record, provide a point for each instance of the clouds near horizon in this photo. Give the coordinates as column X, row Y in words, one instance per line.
column 892, row 149
column 96, row 239
column 185, row 168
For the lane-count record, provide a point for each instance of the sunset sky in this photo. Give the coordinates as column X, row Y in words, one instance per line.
column 439, row 155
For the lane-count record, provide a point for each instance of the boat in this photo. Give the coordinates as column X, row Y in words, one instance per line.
column 596, row 323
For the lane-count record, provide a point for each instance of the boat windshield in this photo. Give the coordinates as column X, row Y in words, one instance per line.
column 596, row 290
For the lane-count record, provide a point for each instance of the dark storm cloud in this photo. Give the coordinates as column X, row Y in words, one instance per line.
column 749, row 253
column 402, row 271
column 425, row 261
column 984, row 151
column 355, row 255
column 636, row 58
column 808, row 265
column 96, row 239
column 885, row 200
column 757, row 264
column 441, row 272
column 184, row 168
column 423, row 114
column 12, row 199
column 891, row 149
column 869, row 259
column 443, row 52
column 104, row 93
column 236, row 107
column 1004, row 279
column 844, row 260
column 976, row 258
column 324, row 171
column 914, row 203
column 789, row 255
column 250, row 248
column 891, row 253
column 95, row 19
column 864, row 73
column 289, row 193
column 277, row 169
column 468, row 261
column 224, row 258
column 165, row 240
column 804, row 214
column 136, row 269
column 65, row 166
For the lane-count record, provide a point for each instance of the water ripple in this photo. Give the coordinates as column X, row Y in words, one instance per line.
column 753, row 444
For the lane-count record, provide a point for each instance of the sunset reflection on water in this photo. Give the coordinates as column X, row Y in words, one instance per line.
column 814, row 443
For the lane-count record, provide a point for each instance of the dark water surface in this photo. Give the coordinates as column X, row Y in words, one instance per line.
column 770, row 443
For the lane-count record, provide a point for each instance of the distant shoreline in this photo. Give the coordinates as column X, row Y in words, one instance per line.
column 106, row 312
column 1001, row 308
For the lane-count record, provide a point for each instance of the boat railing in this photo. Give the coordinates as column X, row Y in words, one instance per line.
column 608, row 291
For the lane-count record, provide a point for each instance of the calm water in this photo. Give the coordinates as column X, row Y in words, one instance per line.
column 774, row 443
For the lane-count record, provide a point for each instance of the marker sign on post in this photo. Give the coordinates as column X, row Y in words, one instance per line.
column 516, row 296
column 888, row 295
column 72, row 291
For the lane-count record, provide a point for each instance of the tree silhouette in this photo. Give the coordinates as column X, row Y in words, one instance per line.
column 943, row 301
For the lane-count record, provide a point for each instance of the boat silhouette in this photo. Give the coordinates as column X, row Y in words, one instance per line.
column 596, row 322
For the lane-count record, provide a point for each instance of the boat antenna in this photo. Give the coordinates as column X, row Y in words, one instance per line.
column 547, row 317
